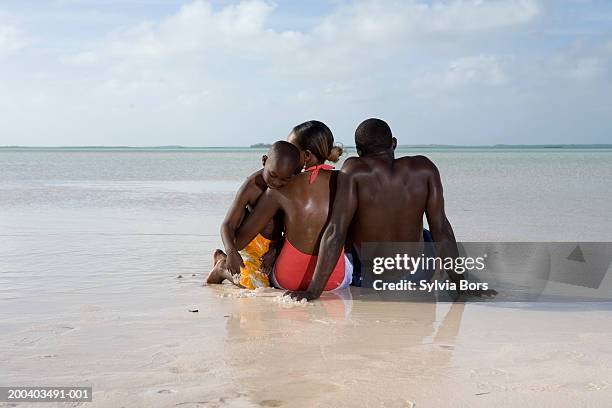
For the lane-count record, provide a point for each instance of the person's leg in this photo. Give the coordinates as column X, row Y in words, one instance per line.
column 219, row 272
column 429, row 251
column 273, row 282
column 356, row 279
column 348, row 272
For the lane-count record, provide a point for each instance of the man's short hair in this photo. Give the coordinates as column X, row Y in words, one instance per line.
column 373, row 136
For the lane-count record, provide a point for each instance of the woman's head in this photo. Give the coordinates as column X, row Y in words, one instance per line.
column 316, row 143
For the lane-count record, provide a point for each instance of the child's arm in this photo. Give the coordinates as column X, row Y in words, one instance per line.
column 269, row 258
column 247, row 194
column 263, row 212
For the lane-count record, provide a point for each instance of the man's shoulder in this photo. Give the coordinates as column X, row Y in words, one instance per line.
column 419, row 162
column 354, row 163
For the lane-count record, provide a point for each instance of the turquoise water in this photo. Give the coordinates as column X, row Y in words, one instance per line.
column 501, row 194
column 126, row 218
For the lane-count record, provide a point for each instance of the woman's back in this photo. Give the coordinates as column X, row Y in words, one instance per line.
column 306, row 203
column 306, row 207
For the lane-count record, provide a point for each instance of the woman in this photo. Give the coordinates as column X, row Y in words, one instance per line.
column 306, row 203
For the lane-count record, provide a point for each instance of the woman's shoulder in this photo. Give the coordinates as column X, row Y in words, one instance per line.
column 300, row 179
column 321, row 177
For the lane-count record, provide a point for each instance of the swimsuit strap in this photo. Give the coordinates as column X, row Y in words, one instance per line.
column 315, row 171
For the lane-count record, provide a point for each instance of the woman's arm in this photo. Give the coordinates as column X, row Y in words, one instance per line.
column 264, row 211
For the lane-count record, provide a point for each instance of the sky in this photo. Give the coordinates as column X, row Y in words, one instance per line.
column 227, row 73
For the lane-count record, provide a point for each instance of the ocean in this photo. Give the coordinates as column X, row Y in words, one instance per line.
column 135, row 215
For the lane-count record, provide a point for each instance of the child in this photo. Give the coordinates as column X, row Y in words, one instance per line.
column 247, row 268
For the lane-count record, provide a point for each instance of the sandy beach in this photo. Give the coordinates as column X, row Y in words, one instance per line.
column 91, row 295
column 134, row 133
column 253, row 351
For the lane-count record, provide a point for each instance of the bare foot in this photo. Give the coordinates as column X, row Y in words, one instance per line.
column 219, row 273
column 217, row 256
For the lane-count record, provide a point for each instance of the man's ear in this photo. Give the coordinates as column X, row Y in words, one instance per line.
column 394, row 142
column 264, row 159
column 359, row 152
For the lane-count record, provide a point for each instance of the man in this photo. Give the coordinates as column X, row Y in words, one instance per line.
column 382, row 199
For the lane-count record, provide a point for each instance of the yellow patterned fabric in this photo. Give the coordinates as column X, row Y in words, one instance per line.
column 251, row 276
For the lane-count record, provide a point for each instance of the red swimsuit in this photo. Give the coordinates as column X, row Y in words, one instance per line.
column 294, row 269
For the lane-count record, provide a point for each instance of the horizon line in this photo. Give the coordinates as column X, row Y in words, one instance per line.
column 265, row 145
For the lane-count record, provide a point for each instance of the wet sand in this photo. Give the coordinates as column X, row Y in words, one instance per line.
column 254, row 351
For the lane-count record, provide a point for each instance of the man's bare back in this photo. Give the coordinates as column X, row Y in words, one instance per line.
column 392, row 197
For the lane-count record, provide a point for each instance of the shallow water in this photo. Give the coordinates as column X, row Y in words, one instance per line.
column 91, row 244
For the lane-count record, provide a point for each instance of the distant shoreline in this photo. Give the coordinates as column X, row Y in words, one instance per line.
column 260, row 146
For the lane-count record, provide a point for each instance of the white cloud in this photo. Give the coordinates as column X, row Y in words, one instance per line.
column 332, row 48
column 199, row 75
column 585, row 69
column 467, row 71
column 482, row 69
column 478, row 15
column 411, row 20
column 581, row 62
column 11, row 38
column 236, row 28
column 82, row 58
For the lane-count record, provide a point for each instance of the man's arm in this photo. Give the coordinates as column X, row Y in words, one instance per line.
column 264, row 211
column 439, row 226
column 334, row 236
column 441, row 230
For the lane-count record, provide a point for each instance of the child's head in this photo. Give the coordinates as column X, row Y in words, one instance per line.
column 280, row 164
column 316, row 143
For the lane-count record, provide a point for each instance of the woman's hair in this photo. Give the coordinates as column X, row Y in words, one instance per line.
column 316, row 137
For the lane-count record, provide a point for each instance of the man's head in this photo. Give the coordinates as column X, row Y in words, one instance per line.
column 280, row 164
column 374, row 136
